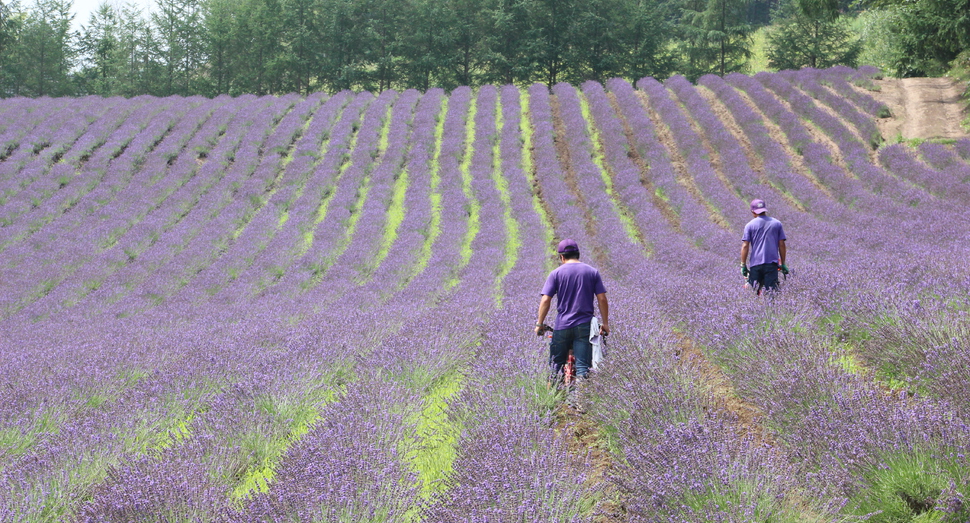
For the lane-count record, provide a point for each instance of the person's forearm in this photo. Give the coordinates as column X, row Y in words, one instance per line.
column 604, row 308
column 744, row 253
column 544, row 304
column 782, row 251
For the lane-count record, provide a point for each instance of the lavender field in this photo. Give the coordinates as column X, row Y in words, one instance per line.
column 320, row 308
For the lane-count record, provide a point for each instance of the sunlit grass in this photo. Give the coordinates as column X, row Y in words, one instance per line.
column 434, row 226
column 513, row 242
column 363, row 189
column 473, row 207
column 290, row 419
column 528, row 166
column 327, row 192
column 758, row 61
column 434, row 446
column 598, row 156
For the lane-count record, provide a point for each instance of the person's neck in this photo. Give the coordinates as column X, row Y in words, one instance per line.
column 571, row 261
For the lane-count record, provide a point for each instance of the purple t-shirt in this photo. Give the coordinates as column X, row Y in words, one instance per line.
column 574, row 285
column 764, row 233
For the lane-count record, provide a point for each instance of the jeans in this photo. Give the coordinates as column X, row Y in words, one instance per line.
column 764, row 276
column 577, row 339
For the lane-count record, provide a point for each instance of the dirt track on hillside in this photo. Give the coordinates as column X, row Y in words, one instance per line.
column 922, row 108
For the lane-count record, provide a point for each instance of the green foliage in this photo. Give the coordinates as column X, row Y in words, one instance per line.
column 286, row 421
column 715, row 37
column 213, row 47
column 923, row 486
column 544, row 395
column 764, row 506
column 15, row 441
column 434, row 447
column 7, row 25
column 758, row 60
column 918, row 37
column 801, row 42
column 878, row 45
column 38, row 50
column 648, row 34
column 960, row 67
column 932, row 33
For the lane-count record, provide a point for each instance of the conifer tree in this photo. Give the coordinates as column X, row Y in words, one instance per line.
column 811, row 33
column 99, row 48
column 180, row 49
column 715, row 37
column 45, row 50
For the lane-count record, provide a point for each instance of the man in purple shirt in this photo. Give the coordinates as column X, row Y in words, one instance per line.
column 574, row 284
column 763, row 249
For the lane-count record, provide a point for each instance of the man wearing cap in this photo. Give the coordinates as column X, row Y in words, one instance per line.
column 574, row 284
column 762, row 249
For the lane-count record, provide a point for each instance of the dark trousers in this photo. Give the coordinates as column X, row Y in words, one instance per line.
column 764, row 276
column 577, row 339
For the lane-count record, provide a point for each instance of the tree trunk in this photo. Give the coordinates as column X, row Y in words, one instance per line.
column 723, row 34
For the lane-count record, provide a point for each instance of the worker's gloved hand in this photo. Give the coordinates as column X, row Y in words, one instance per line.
column 783, row 269
column 744, row 270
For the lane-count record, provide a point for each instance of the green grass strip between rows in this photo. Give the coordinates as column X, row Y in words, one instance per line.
column 350, row 223
column 327, row 193
column 513, row 241
column 434, row 227
column 599, row 159
column 528, row 166
column 473, row 207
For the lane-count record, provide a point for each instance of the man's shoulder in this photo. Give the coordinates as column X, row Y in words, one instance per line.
column 591, row 272
column 575, row 268
column 762, row 221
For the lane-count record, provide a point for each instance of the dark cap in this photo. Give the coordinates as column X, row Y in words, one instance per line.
column 567, row 246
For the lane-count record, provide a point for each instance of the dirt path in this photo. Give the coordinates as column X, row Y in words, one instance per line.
column 665, row 209
column 922, row 108
column 776, row 134
column 680, row 164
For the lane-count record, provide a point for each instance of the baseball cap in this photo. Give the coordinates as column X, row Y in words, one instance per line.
column 758, row 206
column 567, row 246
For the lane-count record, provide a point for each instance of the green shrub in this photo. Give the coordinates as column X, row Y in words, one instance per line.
column 915, row 486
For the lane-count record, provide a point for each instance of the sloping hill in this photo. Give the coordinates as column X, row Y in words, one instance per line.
column 321, row 308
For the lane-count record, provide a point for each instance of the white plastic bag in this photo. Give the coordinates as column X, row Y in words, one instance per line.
column 596, row 340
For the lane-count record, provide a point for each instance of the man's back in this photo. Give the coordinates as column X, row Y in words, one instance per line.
column 764, row 233
column 574, row 284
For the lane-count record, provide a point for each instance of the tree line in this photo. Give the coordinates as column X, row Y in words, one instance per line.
column 212, row 47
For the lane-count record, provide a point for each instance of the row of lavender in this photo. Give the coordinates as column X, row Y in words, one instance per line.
column 353, row 376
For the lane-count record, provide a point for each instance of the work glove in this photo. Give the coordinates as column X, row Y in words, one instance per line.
column 541, row 329
column 744, row 270
column 784, row 269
